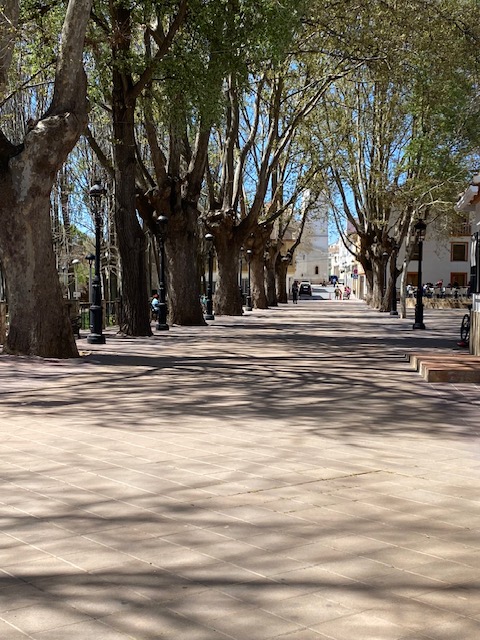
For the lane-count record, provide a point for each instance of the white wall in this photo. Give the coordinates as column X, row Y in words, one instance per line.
column 312, row 253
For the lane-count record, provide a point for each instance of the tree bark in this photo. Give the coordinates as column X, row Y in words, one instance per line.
column 259, row 298
column 281, row 270
column 258, row 241
column 228, row 300
column 181, row 251
column 132, row 245
column 39, row 322
column 270, row 275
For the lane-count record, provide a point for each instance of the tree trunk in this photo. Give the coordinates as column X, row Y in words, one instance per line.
column 281, row 270
column 377, row 285
column 39, row 323
column 130, row 236
column 270, row 276
column 183, row 285
column 259, row 298
column 228, row 299
column 402, row 311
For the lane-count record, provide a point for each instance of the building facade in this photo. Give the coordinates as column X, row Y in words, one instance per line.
column 469, row 203
column 311, row 257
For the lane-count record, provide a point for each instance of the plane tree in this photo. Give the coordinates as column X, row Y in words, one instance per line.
column 39, row 323
column 399, row 135
column 248, row 185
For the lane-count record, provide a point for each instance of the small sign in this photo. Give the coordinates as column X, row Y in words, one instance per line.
column 76, row 295
column 355, row 276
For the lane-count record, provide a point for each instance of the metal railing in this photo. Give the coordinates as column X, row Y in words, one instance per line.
column 110, row 313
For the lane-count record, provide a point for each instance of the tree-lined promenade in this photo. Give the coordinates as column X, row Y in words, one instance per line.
column 226, row 118
column 283, row 475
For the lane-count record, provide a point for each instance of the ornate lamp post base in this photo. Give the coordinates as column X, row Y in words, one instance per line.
column 419, row 325
column 162, row 318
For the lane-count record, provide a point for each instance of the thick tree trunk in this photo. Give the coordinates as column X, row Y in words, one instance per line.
column 259, row 298
column 183, row 285
column 130, row 236
column 131, row 239
column 377, row 285
column 270, row 276
column 228, row 299
column 39, row 323
column 281, row 270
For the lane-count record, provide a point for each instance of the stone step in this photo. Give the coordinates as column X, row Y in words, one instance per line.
column 457, row 367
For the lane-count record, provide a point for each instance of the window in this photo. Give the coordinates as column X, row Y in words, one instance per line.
column 412, row 278
column 459, row 252
column 316, row 271
column 459, row 279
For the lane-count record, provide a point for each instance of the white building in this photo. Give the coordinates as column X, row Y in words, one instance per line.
column 445, row 258
column 469, row 203
column 311, row 257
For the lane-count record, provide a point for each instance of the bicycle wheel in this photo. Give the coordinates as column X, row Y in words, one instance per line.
column 465, row 328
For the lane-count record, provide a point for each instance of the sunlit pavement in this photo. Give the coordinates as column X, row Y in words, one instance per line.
column 282, row 475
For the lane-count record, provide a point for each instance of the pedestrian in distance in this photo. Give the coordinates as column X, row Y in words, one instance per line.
column 154, row 306
column 295, row 292
column 338, row 293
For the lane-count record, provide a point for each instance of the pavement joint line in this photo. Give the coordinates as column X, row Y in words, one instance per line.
column 318, row 480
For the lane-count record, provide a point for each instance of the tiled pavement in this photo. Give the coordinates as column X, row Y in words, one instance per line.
column 284, row 475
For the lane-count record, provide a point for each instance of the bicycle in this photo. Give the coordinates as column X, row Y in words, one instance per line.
column 465, row 330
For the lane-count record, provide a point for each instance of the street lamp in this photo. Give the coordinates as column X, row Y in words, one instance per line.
column 209, row 315
column 248, row 306
column 96, row 336
column 162, row 307
column 91, row 258
column 75, row 275
column 420, row 231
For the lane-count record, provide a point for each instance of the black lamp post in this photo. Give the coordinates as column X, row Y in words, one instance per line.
column 385, row 275
column 91, row 258
column 96, row 336
column 420, row 230
column 248, row 306
column 393, row 299
column 209, row 315
column 162, row 306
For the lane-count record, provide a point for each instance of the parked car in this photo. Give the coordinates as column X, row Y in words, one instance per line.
column 305, row 289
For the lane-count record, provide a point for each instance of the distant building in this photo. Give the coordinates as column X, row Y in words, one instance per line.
column 311, row 256
column 446, row 258
column 469, row 203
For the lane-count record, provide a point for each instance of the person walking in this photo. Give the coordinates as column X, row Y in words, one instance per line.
column 295, row 292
